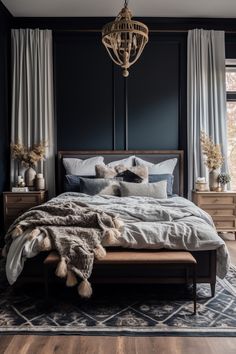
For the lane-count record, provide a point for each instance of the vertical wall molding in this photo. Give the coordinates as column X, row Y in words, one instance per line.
column 113, row 108
column 126, row 115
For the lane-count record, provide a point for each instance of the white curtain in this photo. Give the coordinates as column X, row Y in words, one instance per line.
column 32, row 96
column 206, row 97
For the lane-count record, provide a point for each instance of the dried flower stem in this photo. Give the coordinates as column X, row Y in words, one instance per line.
column 28, row 157
column 212, row 152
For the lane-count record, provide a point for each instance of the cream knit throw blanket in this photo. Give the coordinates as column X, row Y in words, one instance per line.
column 76, row 231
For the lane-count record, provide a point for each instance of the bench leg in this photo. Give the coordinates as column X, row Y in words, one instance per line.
column 194, row 290
column 213, row 286
column 46, row 285
column 45, row 304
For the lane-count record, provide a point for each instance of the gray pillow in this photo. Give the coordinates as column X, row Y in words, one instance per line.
column 163, row 167
column 154, row 190
column 99, row 186
column 164, row 177
column 128, row 162
column 82, row 167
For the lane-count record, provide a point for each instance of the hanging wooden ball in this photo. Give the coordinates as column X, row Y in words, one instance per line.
column 125, row 73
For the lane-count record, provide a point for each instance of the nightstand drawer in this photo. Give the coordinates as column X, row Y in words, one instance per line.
column 224, row 224
column 15, row 204
column 221, row 206
column 10, row 211
column 24, row 199
column 212, row 200
column 220, row 212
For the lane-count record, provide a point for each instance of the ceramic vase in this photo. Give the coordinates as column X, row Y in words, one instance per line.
column 30, row 175
column 224, row 187
column 40, row 182
column 213, row 180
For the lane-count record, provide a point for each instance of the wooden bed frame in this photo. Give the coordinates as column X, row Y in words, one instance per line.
column 140, row 273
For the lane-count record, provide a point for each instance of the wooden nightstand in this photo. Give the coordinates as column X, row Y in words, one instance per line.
column 16, row 204
column 221, row 206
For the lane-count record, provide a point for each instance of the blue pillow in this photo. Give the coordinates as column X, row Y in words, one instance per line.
column 72, row 183
column 164, row 177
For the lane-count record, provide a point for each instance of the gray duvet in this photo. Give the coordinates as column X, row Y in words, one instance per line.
column 173, row 223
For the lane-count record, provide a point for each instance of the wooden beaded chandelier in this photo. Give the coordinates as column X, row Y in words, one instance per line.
column 125, row 39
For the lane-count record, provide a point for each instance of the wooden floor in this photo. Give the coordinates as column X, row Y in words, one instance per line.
column 30, row 344
column 115, row 345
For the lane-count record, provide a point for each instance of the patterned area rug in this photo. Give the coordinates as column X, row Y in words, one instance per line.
column 122, row 310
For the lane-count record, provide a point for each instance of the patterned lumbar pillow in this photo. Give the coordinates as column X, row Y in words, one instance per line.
column 103, row 171
column 154, row 190
column 135, row 174
column 131, row 176
column 100, row 186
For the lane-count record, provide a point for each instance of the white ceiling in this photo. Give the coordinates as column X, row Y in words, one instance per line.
column 154, row 8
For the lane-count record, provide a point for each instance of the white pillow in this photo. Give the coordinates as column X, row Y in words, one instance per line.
column 154, row 190
column 82, row 167
column 164, row 167
column 128, row 162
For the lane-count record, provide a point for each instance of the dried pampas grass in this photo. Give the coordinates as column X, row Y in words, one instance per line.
column 212, row 152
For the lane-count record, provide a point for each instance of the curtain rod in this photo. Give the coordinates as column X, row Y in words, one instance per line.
column 150, row 30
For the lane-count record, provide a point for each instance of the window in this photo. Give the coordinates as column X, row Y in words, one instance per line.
column 231, row 118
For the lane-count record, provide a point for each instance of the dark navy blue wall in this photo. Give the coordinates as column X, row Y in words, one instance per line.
column 83, row 91
column 92, row 97
column 155, row 90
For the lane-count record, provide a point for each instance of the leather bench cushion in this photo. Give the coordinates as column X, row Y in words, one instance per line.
column 136, row 257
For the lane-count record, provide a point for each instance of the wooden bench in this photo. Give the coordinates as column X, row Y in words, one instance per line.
column 180, row 259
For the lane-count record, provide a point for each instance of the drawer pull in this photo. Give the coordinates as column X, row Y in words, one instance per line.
column 19, row 199
column 217, row 200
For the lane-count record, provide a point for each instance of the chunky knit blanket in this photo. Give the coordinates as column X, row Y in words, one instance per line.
column 75, row 230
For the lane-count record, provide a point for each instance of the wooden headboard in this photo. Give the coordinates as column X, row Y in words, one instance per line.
column 154, row 156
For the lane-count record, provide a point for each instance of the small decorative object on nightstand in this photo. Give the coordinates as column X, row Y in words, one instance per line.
column 40, row 182
column 16, row 204
column 221, row 206
column 201, row 184
column 224, row 179
column 20, row 182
